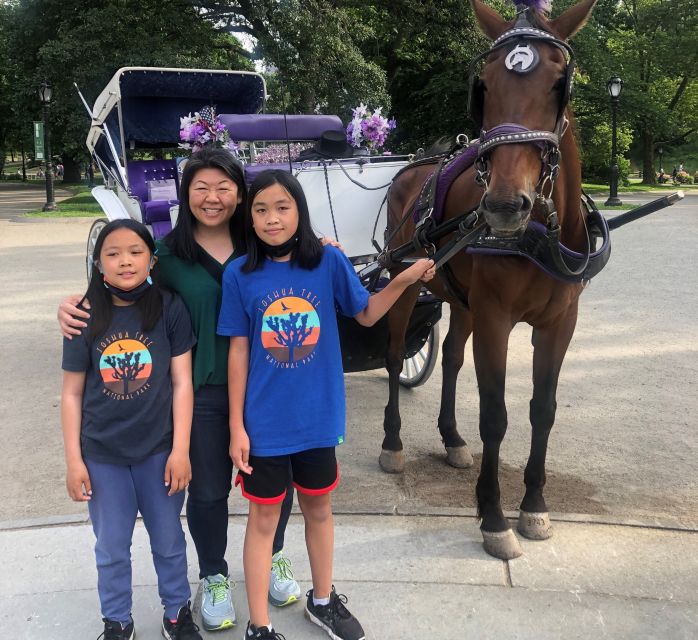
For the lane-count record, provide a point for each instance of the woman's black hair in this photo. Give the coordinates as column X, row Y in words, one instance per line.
column 308, row 250
column 181, row 239
column 149, row 304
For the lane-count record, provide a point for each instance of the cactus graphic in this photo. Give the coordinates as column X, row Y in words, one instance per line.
column 290, row 333
column 126, row 367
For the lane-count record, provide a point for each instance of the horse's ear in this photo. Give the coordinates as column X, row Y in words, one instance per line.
column 572, row 20
column 491, row 23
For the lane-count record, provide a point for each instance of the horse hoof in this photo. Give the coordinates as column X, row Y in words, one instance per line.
column 534, row 526
column 501, row 544
column 392, row 461
column 459, row 457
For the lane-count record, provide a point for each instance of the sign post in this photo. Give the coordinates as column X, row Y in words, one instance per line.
column 39, row 141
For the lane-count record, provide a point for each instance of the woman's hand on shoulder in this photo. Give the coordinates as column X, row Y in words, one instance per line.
column 69, row 316
column 77, row 481
column 240, row 449
column 177, row 472
column 332, row 242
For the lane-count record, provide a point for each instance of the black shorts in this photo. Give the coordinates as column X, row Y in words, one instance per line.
column 314, row 472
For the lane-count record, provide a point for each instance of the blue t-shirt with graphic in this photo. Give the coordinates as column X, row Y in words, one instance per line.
column 295, row 385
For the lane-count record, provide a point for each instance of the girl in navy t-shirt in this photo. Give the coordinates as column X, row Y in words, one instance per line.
column 126, row 410
column 286, row 384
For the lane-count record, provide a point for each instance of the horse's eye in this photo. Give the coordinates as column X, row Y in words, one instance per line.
column 560, row 84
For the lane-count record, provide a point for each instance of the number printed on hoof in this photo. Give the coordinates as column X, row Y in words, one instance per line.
column 535, row 526
column 459, row 457
column 501, row 544
column 392, row 461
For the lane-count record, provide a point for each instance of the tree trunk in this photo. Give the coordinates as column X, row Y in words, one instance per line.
column 648, row 175
column 71, row 168
column 2, row 158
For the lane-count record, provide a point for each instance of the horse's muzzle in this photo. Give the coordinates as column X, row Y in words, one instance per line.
column 506, row 216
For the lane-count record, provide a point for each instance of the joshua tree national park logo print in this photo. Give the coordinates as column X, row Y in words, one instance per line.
column 290, row 330
column 125, row 366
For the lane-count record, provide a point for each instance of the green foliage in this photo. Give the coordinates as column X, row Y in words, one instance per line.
column 66, row 41
column 653, row 46
column 409, row 56
column 425, row 48
column 596, row 152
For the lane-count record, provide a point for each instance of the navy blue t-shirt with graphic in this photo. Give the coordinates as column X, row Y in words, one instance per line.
column 295, row 385
column 127, row 401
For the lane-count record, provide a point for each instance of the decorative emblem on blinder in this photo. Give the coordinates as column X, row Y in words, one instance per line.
column 521, row 59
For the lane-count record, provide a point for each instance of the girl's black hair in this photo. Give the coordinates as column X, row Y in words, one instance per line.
column 181, row 239
column 149, row 304
column 308, row 250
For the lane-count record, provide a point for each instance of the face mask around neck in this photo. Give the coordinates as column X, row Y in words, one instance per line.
column 280, row 250
column 132, row 294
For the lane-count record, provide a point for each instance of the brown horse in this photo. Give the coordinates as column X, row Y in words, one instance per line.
column 510, row 186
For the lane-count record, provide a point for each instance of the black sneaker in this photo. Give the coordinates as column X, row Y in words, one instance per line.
column 334, row 617
column 183, row 629
column 263, row 633
column 114, row 631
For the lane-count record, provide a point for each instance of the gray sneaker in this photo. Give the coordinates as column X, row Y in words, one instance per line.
column 217, row 610
column 283, row 589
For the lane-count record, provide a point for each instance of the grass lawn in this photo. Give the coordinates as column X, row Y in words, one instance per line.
column 80, row 205
column 636, row 187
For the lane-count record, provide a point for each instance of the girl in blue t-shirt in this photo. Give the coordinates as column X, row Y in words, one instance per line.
column 126, row 410
column 286, row 385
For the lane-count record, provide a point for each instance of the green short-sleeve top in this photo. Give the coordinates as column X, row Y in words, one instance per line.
column 201, row 293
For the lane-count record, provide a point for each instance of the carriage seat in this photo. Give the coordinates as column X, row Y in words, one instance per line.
column 271, row 127
column 155, row 185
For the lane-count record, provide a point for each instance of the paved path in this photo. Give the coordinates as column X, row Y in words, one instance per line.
column 19, row 197
column 407, row 578
column 625, row 448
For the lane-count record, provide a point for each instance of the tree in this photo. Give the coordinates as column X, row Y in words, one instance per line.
column 653, row 46
column 425, row 48
column 291, row 332
column 126, row 368
column 311, row 49
column 66, row 41
column 6, row 74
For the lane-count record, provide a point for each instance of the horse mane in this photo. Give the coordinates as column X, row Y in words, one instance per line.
column 538, row 11
column 536, row 6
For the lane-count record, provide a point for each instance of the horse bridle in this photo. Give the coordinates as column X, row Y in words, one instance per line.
column 522, row 55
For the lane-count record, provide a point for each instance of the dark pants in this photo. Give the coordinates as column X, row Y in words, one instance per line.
column 118, row 494
column 212, row 470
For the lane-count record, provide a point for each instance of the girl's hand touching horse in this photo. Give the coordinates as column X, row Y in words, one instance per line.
column 423, row 269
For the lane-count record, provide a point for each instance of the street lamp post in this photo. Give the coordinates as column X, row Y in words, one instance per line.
column 45, row 91
column 614, row 87
column 660, row 151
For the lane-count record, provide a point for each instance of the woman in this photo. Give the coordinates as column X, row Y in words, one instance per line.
column 191, row 260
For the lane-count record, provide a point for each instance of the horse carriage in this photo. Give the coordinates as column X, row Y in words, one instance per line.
column 134, row 139
column 504, row 218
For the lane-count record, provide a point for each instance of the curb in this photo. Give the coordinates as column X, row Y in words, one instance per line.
column 658, row 523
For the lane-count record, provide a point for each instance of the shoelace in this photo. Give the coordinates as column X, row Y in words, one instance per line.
column 337, row 603
column 113, row 631
column 218, row 590
column 186, row 622
column 282, row 568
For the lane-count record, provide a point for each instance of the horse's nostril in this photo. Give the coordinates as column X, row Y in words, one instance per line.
column 526, row 203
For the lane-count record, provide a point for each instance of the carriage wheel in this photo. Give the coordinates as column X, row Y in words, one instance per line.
column 417, row 369
column 95, row 229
